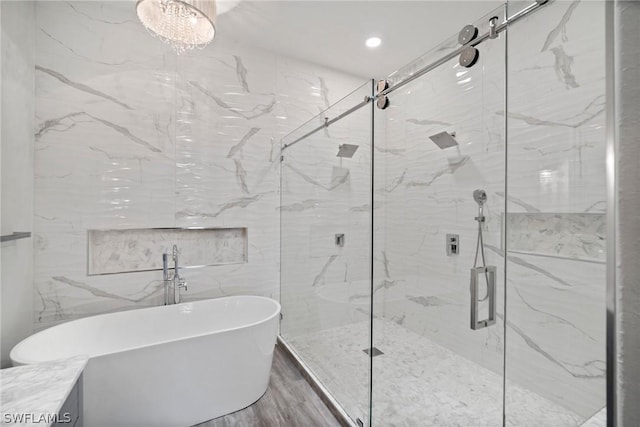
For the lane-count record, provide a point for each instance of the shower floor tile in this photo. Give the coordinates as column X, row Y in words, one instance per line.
column 417, row 382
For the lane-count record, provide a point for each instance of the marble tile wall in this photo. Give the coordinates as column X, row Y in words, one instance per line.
column 555, row 334
column 130, row 136
column 324, row 285
column 556, row 308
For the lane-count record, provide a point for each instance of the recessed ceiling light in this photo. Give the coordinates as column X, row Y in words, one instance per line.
column 373, row 42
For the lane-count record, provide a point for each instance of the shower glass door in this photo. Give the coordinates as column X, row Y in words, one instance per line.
column 441, row 139
column 556, row 220
column 443, row 258
column 325, row 235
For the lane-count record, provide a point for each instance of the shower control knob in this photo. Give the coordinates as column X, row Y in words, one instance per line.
column 453, row 247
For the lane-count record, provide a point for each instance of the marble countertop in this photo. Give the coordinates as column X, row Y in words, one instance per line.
column 38, row 390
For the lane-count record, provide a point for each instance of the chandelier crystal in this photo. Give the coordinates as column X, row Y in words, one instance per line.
column 183, row 24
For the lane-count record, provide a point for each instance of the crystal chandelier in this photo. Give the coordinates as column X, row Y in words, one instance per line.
column 183, row 24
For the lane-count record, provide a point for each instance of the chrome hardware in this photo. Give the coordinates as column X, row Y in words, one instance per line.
column 328, row 123
column 453, row 245
column 493, row 27
column 347, row 150
column 340, row 240
column 382, row 85
column 467, row 34
column 174, row 280
column 182, row 284
column 489, row 272
column 468, row 56
column 444, row 140
column 382, row 100
column 165, row 277
column 16, row 235
column 178, row 282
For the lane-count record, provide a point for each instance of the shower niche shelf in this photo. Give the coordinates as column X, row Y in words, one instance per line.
column 141, row 249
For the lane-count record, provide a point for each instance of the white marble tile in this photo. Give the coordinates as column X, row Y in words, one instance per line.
column 130, row 136
column 38, row 390
column 599, row 419
column 416, row 381
column 324, row 285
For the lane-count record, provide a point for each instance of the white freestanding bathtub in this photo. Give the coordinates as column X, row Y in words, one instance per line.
column 175, row 365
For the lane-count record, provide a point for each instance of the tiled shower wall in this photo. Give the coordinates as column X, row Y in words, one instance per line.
column 555, row 337
column 324, row 285
column 129, row 135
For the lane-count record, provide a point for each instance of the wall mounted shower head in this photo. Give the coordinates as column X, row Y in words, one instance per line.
column 444, row 139
column 347, row 150
column 480, row 196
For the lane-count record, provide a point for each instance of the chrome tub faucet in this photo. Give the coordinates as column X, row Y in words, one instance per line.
column 172, row 282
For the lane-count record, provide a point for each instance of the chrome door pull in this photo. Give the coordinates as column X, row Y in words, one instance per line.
column 477, row 273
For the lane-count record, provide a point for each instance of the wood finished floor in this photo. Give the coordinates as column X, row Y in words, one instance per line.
column 289, row 402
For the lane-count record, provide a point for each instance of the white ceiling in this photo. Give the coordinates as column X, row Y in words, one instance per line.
column 333, row 33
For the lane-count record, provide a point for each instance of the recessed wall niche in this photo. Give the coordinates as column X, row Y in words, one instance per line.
column 125, row 251
column 572, row 235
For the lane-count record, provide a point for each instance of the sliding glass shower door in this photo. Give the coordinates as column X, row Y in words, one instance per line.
column 443, row 250
column 442, row 142
column 556, row 220
column 325, row 237
column 494, row 180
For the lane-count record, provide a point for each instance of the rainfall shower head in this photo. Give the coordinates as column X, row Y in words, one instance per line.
column 347, row 150
column 480, row 196
column 444, row 139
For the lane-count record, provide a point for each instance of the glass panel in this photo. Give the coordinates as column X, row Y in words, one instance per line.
column 325, row 228
column 435, row 369
column 556, row 216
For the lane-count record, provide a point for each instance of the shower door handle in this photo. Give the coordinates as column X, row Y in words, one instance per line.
column 477, row 273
